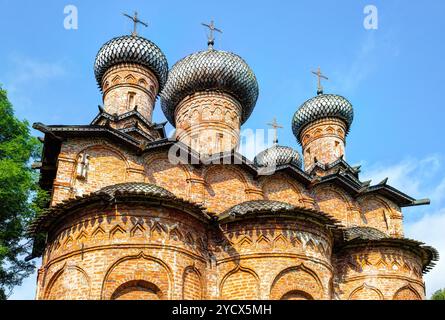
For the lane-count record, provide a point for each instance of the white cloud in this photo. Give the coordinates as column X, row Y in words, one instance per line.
column 363, row 65
column 412, row 176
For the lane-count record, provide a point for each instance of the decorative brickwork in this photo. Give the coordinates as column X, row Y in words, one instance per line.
column 323, row 141
column 209, row 122
column 128, row 222
column 127, row 87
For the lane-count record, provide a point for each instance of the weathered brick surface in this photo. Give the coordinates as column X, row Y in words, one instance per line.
column 323, row 141
column 378, row 273
column 142, row 252
column 127, row 86
column 209, row 122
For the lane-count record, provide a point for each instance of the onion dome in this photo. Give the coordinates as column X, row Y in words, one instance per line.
column 131, row 49
column 322, row 106
column 210, row 70
column 136, row 187
column 278, row 155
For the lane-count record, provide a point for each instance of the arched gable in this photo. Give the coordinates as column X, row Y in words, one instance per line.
column 225, row 187
column 281, row 188
column 106, row 166
column 173, row 177
column 335, row 202
column 375, row 212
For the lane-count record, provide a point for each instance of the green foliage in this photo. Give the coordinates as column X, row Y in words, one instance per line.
column 20, row 197
column 438, row 295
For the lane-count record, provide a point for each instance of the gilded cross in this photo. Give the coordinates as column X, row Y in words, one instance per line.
column 275, row 126
column 135, row 20
column 319, row 76
column 211, row 37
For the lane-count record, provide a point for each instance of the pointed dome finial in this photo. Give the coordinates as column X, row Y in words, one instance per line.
column 135, row 20
column 319, row 76
column 210, row 36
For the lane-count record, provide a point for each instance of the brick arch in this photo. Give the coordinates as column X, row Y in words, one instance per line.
column 137, row 290
column 366, row 292
column 225, row 187
column 372, row 211
column 334, row 202
column 192, row 284
column 280, row 188
column 68, row 283
column 407, row 292
column 173, row 177
column 297, row 295
column 240, row 284
column 138, row 267
column 102, row 156
column 298, row 279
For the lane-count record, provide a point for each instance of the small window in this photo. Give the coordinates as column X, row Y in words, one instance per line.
column 131, row 100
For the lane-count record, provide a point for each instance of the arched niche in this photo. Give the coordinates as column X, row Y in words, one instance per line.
column 279, row 188
column 68, row 283
column 140, row 267
column 296, row 280
column 297, row 295
column 106, row 166
column 137, row 290
column 333, row 201
column 407, row 293
column 366, row 292
column 240, row 284
column 192, row 288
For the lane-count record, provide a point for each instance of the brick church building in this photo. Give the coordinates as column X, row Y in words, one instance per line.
column 135, row 214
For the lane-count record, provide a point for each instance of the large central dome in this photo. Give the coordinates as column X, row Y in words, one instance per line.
column 210, row 70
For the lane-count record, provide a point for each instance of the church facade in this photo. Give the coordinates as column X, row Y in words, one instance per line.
column 135, row 214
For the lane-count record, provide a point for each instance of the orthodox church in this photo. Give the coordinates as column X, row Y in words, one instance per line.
column 135, row 214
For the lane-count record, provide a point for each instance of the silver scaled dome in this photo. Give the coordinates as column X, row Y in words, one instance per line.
column 210, row 70
column 278, row 155
column 131, row 49
column 322, row 106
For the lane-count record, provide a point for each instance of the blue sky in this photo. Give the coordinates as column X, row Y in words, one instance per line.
column 392, row 75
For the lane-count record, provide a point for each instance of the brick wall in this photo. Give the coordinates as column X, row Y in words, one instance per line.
column 209, row 122
column 126, row 86
column 324, row 141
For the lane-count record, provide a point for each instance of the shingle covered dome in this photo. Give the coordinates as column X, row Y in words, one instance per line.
column 131, row 49
column 137, row 187
column 278, row 155
column 210, row 70
column 322, row 106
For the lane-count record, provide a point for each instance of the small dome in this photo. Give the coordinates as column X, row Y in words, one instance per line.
column 136, row 187
column 322, row 106
column 276, row 156
column 210, row 70
column 131, row 49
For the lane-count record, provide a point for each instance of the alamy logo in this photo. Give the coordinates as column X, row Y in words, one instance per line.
column 371, row 21
column 71, row 21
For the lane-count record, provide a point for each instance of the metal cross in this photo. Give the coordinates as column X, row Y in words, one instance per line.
column 274, row 124
column 135, row 20
column 320, row 76
column 211, row 37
